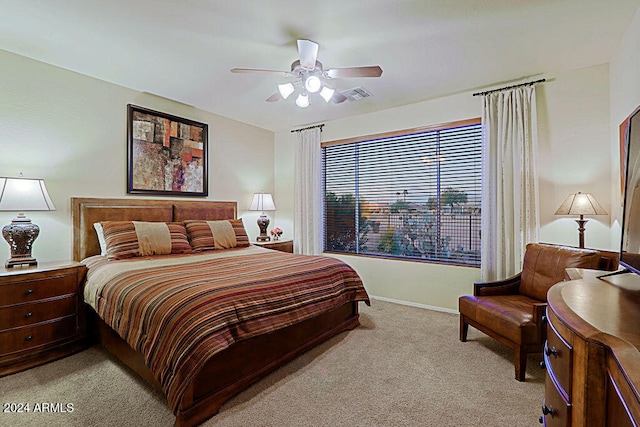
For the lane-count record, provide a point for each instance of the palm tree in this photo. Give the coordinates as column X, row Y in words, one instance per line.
column 453, row 197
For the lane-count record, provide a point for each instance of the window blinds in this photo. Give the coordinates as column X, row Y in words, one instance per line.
column 412, row 196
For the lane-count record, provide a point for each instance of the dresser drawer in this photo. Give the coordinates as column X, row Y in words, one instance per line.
column 556, row 412
column 33, row 290
column 558, row 358
column 29, row 314
column 28, row 337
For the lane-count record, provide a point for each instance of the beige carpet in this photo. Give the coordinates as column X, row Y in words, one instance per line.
column 403, row 366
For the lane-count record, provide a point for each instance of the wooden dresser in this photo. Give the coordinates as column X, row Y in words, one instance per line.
column 41, row 314
column 592, row 354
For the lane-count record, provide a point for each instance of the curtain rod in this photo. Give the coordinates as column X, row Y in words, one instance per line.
column 309, row 127
column 509, row 87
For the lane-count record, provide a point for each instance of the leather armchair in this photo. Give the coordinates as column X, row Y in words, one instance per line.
column 512, row 310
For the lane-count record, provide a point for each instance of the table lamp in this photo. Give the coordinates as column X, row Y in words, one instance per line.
column 580, row 204
column 262, row 202
column 21, row 195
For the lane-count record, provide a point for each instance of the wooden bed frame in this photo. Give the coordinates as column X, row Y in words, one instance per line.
column 230, row 371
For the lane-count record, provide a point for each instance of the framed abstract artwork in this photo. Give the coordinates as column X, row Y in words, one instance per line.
column 167, row 155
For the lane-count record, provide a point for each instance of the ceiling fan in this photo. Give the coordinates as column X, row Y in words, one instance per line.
column 310, row 75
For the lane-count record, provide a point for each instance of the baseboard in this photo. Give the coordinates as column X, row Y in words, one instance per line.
column 414, row 304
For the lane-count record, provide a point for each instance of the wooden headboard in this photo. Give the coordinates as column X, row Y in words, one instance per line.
column 86, row 211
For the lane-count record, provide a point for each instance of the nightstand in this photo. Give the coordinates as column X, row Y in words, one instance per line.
column 278, row 245
column 41, row 315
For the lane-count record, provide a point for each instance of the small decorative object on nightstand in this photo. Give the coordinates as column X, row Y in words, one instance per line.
column 278, row 245
column 41, row 314
column 276, row 233
column 20, row 195
column 262, row 202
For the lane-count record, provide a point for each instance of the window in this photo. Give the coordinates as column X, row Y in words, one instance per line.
column 411, row 195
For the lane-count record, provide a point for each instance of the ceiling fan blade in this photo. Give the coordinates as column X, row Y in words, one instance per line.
column 371, row 71
column 338, row 98
column 308, row 51
column 254, row 70
column 275, row 97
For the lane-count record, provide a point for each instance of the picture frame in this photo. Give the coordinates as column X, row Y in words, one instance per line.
column 166, row 155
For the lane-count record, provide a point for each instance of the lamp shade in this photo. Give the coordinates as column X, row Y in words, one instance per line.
column 580, row 204
column 313, row 84
column 286, row 89
column 262, row 202
column 24, row 194
column 302, row 100
column 327, row 93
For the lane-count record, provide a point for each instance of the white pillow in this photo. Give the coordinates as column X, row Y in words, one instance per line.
column 100, row 233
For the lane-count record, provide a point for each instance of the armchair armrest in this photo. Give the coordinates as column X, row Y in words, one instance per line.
column 540, row 319
column 508, row 286
column 539, row 313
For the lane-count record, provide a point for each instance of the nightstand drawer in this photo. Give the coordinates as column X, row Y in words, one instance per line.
column 29, row 314
column 277, row 245
column 32, row 336
column 33, row 290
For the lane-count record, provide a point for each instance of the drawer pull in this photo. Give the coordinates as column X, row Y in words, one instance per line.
column 28, row 315
column 28, row 338
column 542, row 365
column 547, row 410
column 551, row 351
column 28, row 292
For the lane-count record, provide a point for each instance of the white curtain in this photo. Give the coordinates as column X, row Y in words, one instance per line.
column 307, row 222
column 510, row 217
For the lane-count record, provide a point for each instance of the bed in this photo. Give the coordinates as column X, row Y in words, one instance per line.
column 197, row 375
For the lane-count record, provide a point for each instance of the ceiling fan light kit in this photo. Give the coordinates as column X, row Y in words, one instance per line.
column 309, row 75
column 302, row 100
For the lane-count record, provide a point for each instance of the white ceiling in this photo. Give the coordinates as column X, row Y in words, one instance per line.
column 183, row 50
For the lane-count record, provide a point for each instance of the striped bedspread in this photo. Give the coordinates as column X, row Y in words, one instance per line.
column 180, row 310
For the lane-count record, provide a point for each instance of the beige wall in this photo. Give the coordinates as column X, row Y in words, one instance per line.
column 625, row 98
column 70, row 130
column 573, row 111
column 574, row 153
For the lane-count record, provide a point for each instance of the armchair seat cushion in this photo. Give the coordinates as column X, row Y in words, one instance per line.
column 510, row 316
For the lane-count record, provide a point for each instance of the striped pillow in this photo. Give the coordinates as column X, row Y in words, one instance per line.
column 210, row 235
column 127, row 239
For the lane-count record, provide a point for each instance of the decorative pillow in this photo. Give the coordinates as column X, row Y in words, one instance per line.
column 209, row 235
column 103, row 245
column 127, row 239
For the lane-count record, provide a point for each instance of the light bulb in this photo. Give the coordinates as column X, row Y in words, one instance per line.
column 286, row 90
column 303, row 100
column 313, row 84
column 327, row 93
